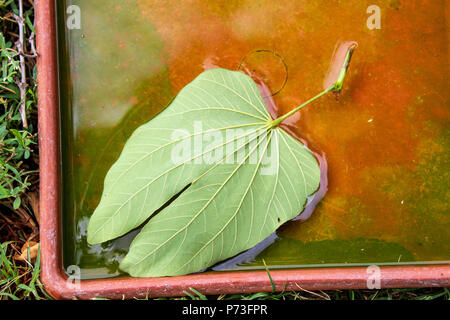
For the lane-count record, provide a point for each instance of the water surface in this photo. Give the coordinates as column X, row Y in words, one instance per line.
column 385, row 141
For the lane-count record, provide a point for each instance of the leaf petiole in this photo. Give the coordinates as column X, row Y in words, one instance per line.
column 336, row 88
column 276, row 122
column 340, row 81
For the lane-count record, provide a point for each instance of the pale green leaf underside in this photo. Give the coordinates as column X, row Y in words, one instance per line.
column 261, row 180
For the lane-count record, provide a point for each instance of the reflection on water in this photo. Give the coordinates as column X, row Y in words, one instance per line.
column 383, row 145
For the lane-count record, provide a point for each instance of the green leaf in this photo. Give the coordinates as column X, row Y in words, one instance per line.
column 240, row 178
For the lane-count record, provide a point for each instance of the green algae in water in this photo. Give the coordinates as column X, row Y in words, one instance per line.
column 387, row 153
column 285, row 252
column 120, row 90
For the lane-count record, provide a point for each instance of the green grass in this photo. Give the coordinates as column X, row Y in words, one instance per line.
column 348, row 295
column 19, row 218
column 18, row 138
column 19, row 281
column 18, row 153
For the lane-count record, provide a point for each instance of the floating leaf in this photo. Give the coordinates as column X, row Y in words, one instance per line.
column 237, row 176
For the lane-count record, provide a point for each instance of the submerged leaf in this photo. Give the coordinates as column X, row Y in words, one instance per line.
column 239, row 177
